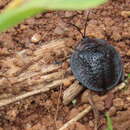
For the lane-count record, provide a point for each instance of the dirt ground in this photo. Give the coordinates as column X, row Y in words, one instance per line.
column 46, row 111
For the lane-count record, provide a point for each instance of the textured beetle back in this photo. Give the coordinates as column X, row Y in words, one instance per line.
column 97, row 65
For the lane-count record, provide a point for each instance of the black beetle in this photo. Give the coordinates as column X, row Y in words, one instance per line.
column 96, row 64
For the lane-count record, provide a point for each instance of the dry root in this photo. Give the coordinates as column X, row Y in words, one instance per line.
column 70, row 93
column 42, row 88
column 76, row 118
column 35, row 71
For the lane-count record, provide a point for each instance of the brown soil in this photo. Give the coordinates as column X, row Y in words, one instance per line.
column 39, row 112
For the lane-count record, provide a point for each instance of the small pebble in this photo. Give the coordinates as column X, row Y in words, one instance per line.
column 118, row 103
column 37, row 126
column 23, row 27
column 36, row 38
column 59, row 124
column 112, row 111
column 128, row 98
column 28, row 126
column 91, row 124
column 11, row 114
column 84, row 97
column 58, row 30
column 18, row 62
column 4, row 51
column 68, row 14
column 67, row 82
column 128, row 53
column 76, row 126
column 96, row 98
column 29, row 52
column 100, row 105
column 80, row 126
column 125, row 14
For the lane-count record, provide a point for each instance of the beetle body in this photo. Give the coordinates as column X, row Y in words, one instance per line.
column 96, row 64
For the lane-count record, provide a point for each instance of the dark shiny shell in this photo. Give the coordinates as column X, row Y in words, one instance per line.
column 97, row 65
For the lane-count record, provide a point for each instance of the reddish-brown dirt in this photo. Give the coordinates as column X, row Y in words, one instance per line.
column 39, row 112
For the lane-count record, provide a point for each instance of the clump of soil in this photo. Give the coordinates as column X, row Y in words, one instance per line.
column 39, row 112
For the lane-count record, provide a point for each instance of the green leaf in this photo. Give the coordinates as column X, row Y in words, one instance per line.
column 14, row 16
column 128, row 75
column 67, row 4
column 109, row 122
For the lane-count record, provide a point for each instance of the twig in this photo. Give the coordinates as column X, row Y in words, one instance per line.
column 119, row 87
column 46, row 69
column 58, row 103
column 17, row 73
column 23, row 62
column 39, row 53
column 29, row 80
column 95, row 111
column 54, row 84
column 71, row 92
column 76, row 118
